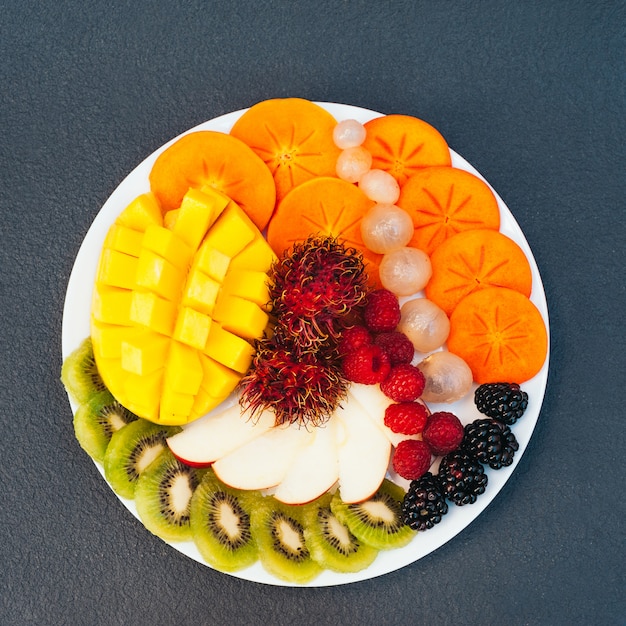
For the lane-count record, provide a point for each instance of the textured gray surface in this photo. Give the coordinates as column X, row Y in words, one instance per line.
column 531, row 93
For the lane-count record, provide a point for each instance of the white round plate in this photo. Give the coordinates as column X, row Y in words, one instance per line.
column 76, row 327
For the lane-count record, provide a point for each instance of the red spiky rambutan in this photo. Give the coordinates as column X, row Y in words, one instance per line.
column 315, row 289
column 299, row 386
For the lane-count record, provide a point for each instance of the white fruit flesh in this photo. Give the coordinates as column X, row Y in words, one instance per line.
column 218, row 434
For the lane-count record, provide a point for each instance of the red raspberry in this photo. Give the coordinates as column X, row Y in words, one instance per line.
column 407, row 418
column 397, row 345
column 368, row 364
column 382, row 311
column 443, row 432
column 412, row 459
column 405, row 383
column 353, row 338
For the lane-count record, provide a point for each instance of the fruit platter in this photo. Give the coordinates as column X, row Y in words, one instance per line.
column 305, row 343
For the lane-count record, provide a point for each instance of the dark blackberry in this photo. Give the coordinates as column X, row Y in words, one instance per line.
column 491, row 442
column 424, row 503
column 462, row 477
column 504, row 402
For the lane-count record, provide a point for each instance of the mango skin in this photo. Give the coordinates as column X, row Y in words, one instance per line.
column 178, row 303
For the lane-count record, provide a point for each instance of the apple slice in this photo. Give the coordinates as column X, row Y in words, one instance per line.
column 264, row 461
column 217, row 434
column 374, row 402
column 363, row 456
column 315, row 470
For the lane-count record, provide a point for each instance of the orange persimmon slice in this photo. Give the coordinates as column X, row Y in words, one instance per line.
column 402, row 144
column 214, row 159
column 444, row 201
column 500, row 334
column 323, row 206
column 293, row 136
column 473, row 260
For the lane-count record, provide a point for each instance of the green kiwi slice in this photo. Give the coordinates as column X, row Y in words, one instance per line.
column 163, row 497
column 95, row 422
column 330, row 542
column 79, row 373
column 376, row 521
column 220, row 524
column 279, row 532
column 130, row 452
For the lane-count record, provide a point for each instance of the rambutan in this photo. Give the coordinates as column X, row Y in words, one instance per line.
column 316, row 288
column 300, row 386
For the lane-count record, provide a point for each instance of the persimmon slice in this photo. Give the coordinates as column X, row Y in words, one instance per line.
column 500, row 334
column 293, row 136
column 323, row 206
column 402, row 144
column 474, row 260
column 444, row 201
column 218, row 160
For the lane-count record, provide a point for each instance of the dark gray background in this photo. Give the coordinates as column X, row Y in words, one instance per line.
column 531, row 93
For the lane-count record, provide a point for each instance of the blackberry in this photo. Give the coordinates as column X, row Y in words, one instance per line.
column 504, row 402
column 491, row 442
column 424, row 503
column 462, row 477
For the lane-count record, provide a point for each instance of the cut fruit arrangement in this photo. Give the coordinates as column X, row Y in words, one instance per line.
column 310, row 339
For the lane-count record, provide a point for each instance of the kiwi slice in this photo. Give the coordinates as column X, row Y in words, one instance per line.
column 279, row 532
column 330, row 542
column 95, row 422
column 376, row 521
column 220, row 524
column 130, row 452
column 79, row 373
column 163, row 497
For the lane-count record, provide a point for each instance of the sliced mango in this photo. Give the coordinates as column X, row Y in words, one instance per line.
column 176, row 304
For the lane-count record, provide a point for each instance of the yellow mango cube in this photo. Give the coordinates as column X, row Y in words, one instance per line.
column 113, row 376
column 240, row 316
column 249, row 284
column 158, row 275
column 124, row 239
column 144, row 393
column 200, row 292
column 169, row 219
column 198, row 211
column 229, row 349
column 257, row 255
column 232, row 231
column 111, row 305
column 192, row 327
column 141, row 212
column 168, row 245
column 107, row 338
column 203, row 403
column 147, row 309
column 144, row 353
column 117, row 269
column 212, row 262
column 218, row 380
column 183, row 372
column 175, row 408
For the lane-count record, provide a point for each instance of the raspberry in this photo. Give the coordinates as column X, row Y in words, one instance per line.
column 407, row 418
column 443, row 432
column 411, row 459
column 397, row 345
column 405, row 383
column 368, row 364
column 353, row 338
column 382, row 311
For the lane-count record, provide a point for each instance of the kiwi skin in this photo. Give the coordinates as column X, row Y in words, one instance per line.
column 79, row 373
column 272, row 521
column 96, row 420
column 364, row 520
column 221, row 526
column 130, row 452
column 330, row 542
column 163, row 496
